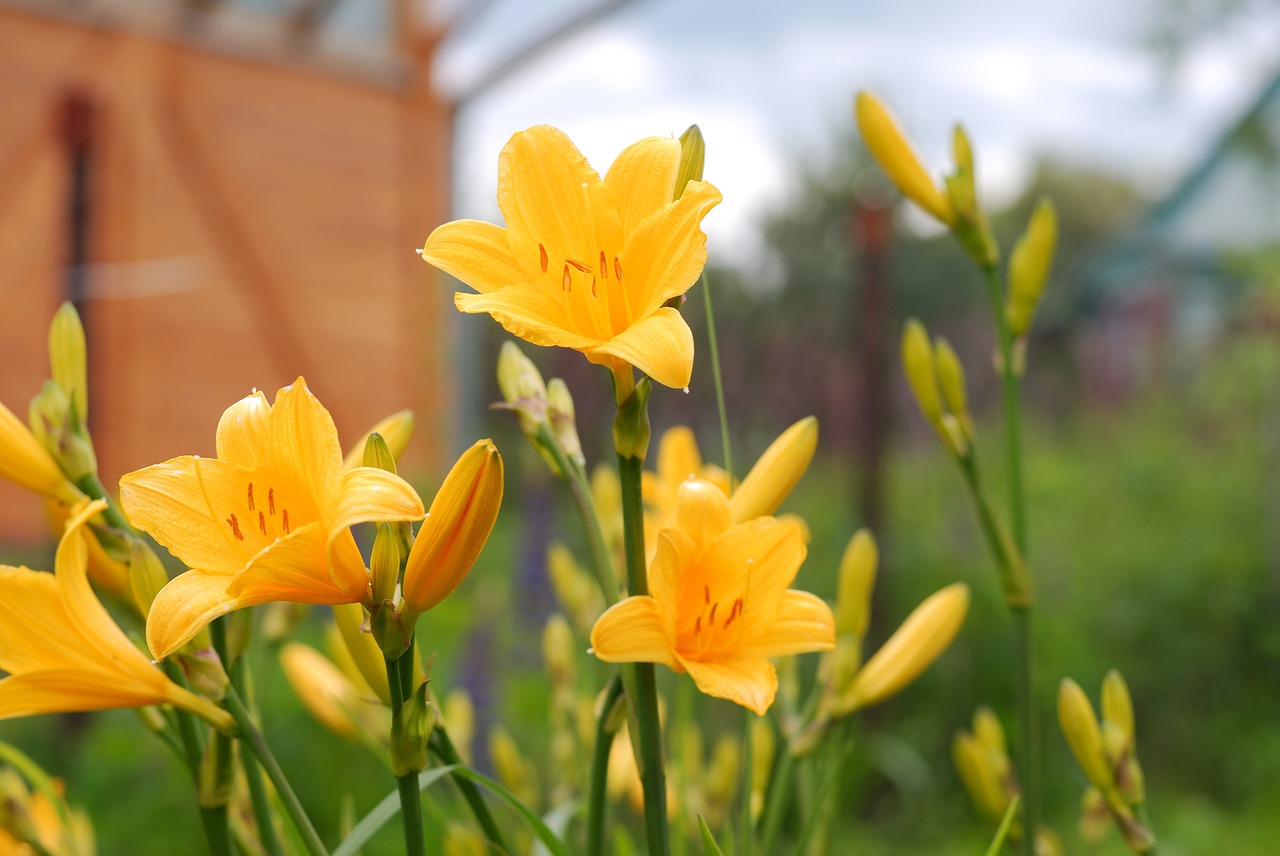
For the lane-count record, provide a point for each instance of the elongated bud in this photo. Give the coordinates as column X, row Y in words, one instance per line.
column 411, row 728
column 204, row 670
column 763, row 748
column 577, row 592
column 910, row 650
column 558, row 652
column 396, row 431
column 853, row 592
column 1117, row 706
column 693, row 157
column 460, row 717
column 384, row 563
column 918, row 361
column 363, row 649
column 987, row 728
column 776, row 473
column 377, row 453
column 891, row 149
column 564, row 425
column 950, row 374
column 59, row 431
column 971, row 228
column 631, row 424
column 1080, row 727
column 980, row 777
column 510, row 764
column 67, row 361
column 455, row 530
column 523, row 389
column 146, row 576
column 1029, row 265
column 321, row 687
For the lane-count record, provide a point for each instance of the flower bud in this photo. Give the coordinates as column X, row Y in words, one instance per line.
column 324, row 691
column 558, row 652
column 25, row 462
column 204, row 671
column 523, row 390
column 950, row 374
column 362, row 648
column 913, row 647
column 564, row 426
column 577, row 593
column 67, row 360
column 513, row 769
column 377, row 453
column 987, row 728
column 146, row 576
column 856, row 579
column 384, row 564
column 460, row 717
column 918, row 361
column 981, row 778
column 891, row 149
column 693, row 156
column 1029, row 265
column 631, row 424
column 411, row 728
column 455, row 530
column 1080, row 727
column 776, row 473
column 1117, row 706
column 396, row 430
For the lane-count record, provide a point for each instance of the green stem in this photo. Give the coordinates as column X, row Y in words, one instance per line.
column 717, row 378
column 580, row 487
column 216, row 831
column 253, row 776
column 251, row 737
column 776, row 801
column 748, row 774
column 448, row 754
column 192, row 739
column 406, row 785
column 92, row 488
column 645, row 698
column 600, row 770
column 1024, row 678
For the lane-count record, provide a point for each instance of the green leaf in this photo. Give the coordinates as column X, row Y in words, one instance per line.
column 536, row 825
column 384, row 811
column 1005, row 825
column 709, row 845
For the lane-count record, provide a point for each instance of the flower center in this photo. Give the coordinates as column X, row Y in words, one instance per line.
column 593, row 305
column 259, row 524
column 714, row 628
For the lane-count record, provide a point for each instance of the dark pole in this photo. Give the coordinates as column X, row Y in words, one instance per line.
column 77, row 119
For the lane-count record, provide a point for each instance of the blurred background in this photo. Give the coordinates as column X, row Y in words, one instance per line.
column 231, row 192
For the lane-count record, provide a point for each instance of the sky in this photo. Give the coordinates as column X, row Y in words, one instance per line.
column 771, row 83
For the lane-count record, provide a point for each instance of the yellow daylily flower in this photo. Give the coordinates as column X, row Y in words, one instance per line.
column 719, row 606
column 25, row 462
column 62, row 650
column 584, row 262
column 266, row 520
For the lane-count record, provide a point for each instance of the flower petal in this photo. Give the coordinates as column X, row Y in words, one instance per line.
column 243, row 431
column 678, row 456
column 642, row 179
column 660, row 345
column 29, row 600
column 675, row 551
column 305, row 450
column 73, row 689
column 371, row 494
column 663, row 256
column 802, row 624
column 631, row 631
column 529, row 314
column 749, row 681
column 475, row 252
column 756, row 561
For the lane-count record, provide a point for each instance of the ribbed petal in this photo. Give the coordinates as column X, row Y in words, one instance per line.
column 802, row 624
column 675, row 551
column 477, row 253
column 188, row 603
column 305, row 448
column 62, row 690
column 529, row 314
column 28, row 600
column 243, row 431
column 756, row 561
column 642, row 179
column 461, row 518
column 296, row 569
column 544, row 184
column 371, row 494
column 631, row 631
column 663, row 256
column 748, row 681
column 660, row 345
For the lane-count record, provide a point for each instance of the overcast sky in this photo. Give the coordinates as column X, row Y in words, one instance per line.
column 770, row 81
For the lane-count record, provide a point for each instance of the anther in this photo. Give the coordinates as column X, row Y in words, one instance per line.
column 582, row 266
column 706, row 593
column 697, row 626
column 262, row 522
column 565, row 282
column 593, row 285
column 271, row 501
column 251, row 496
column 542, row 257
column 604, row 266
column 617, row 268
column 285, row 520
column 235, row 527
column 712, row 617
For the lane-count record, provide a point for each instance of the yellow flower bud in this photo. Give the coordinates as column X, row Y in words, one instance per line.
column 460, row 717
column 146, row 576
column 523, row 389
column 1117, row 706
column 980, row 777
column 921, row 369
column 950, row 374
column 396, row 430
column 67, row 360
column 910, row 650
column 384, row 563
column 987, row 728
column 462, row 840
column 377, row 453
column 513, row 769
column 1080, row 727
column 458, row 524
column 891, row 149
column 1029, row 265
column 25, row 462
column 363, row 648
column 776, row 473
column 853, row 592
column 693, row 156
column 564, row 426
column 558, row 652
column 577, row 592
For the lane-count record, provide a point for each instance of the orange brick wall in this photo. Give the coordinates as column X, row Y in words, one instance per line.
column 251, row 222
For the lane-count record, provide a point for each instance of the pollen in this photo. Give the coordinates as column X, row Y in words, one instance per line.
column 566, row 282
column 542, row 257
column 582, row 266
column 604, row 266
column 235, row 527
column 617, row 269
column 251, row 496
column 271, row 501
column 284, row 519
column 262, row 523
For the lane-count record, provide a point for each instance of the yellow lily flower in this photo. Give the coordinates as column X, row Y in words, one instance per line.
column 62, row 650
column 719, row 606
column 584, row 262
column 25, row 462
column 266, row 520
